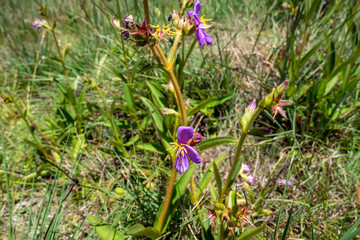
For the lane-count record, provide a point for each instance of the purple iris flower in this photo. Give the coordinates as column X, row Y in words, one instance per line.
column 283, row 182
column 201, row 35
column 184, row 151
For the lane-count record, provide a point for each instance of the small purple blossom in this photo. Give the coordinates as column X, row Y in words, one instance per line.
column 38, row 23
column 283, row 182
column 183, row 150
column 245, row 168
column 201, row 35
column 250, row 180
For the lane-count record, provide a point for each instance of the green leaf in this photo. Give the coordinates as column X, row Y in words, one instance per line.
column 160, row 126
column 208, row 175
column 70, row 96
column 129, row 98
column 212, row 142
column 157, row 95
column 234, row 176
column 304, row 60
column 150, row 67
column 151, row 148
column 288, row 223
column 179, row 190
column 352, row 232
column 132, row 140
column 250, row 233
column 139, row 230
column 80, row 103
column 212, row 102
column 103, row 230
column 213, row 192
column 217, row 178
column 206, row 230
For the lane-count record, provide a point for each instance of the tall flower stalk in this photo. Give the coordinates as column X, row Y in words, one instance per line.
column 157, row 51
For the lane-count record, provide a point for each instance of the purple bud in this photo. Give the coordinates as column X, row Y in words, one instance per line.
column 248, row 147
column 282, row 87
column 126, row 34
column 251, row 180
column 284, row 84
column 283, row 182
column 252, row 106
column 197, row 136
column 170, row 18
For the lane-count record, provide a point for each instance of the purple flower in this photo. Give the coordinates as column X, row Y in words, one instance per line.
column 38, row 23
column 201, row 35
column 183, row 150
column 251, row 180
column 245, row 168
column 283, row 182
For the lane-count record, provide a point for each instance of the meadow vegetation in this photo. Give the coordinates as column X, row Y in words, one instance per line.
column 88, row 120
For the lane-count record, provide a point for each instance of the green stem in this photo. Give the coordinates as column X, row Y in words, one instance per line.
column 237, row 158
column 70, row 90
column 183, row 116
column 146, row 10
column 185, row 58
column 123, row 44
column 174, row 48
column 62, row 60
column 175, row 83
column 168, row 197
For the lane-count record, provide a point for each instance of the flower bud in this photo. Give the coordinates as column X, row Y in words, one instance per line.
column 249, row 111
column 168, row 111
column 169, row 87
column 275, row 95
column 184, row 24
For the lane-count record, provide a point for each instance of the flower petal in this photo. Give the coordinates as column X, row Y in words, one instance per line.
column 182, row 163
column 208, row 39
column 282, row 112
column 191, row 14
column 197, row 6
column 184, row 134
column 200, row 36
column 285, row 102
column 192, row 154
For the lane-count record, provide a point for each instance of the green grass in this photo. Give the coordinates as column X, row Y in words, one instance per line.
column 256, row 46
